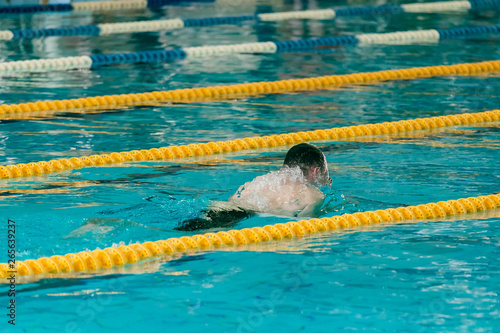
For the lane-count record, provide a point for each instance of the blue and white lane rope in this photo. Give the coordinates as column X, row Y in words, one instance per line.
column 94, row 61
column 92, row 6
column 165, row 25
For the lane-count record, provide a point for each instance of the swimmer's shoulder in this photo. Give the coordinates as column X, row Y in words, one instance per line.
column 312, row 202
column 310, row 193
column 317, row 194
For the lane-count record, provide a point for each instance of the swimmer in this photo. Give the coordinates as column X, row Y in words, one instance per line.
column 291, row 191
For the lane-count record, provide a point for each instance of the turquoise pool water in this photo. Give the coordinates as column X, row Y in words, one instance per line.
column 416, row 277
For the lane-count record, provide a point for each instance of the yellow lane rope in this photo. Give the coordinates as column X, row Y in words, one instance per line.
column 200, row 149
column 251, row 89
column 110, row 257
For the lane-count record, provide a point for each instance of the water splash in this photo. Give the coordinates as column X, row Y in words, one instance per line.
column 336, row 203
column 275, row 189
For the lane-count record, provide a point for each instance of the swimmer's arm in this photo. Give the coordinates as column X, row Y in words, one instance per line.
column 313, row 202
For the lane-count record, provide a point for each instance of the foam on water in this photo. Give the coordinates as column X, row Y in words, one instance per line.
column 265, row 192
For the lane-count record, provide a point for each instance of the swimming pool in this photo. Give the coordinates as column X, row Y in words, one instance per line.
column 440, row 276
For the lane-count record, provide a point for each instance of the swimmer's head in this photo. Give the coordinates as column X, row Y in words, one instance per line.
column 311, row 161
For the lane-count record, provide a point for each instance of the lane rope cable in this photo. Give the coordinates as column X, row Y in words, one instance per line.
column 92, row 6
column 251, row 89
column 99, row 60
column 87, row 261
column 431, row 7
column 172, row 24
column 211, row 148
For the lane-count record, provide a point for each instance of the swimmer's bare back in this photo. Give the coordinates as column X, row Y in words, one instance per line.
column 292, row 199
column 306, row 202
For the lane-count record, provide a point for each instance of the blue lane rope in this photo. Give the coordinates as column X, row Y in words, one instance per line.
column 458, row 32
column 100, row 29
column 94, row 61
column 282, row 46
column 83, row 30
column 368, row 10
column 32, row 9
column 211, row 21
column 477, row 4
column 136, row 57
column 309, row 43
column 35, row 9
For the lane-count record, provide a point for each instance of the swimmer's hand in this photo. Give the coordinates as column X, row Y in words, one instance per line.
column 335, row 208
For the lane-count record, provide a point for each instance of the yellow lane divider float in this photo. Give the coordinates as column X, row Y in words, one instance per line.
column 110, row 257
column 201, row 149
column 251, row 89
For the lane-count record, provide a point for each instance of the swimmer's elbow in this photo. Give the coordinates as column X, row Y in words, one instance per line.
column 312, row 210
column 313, row 206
